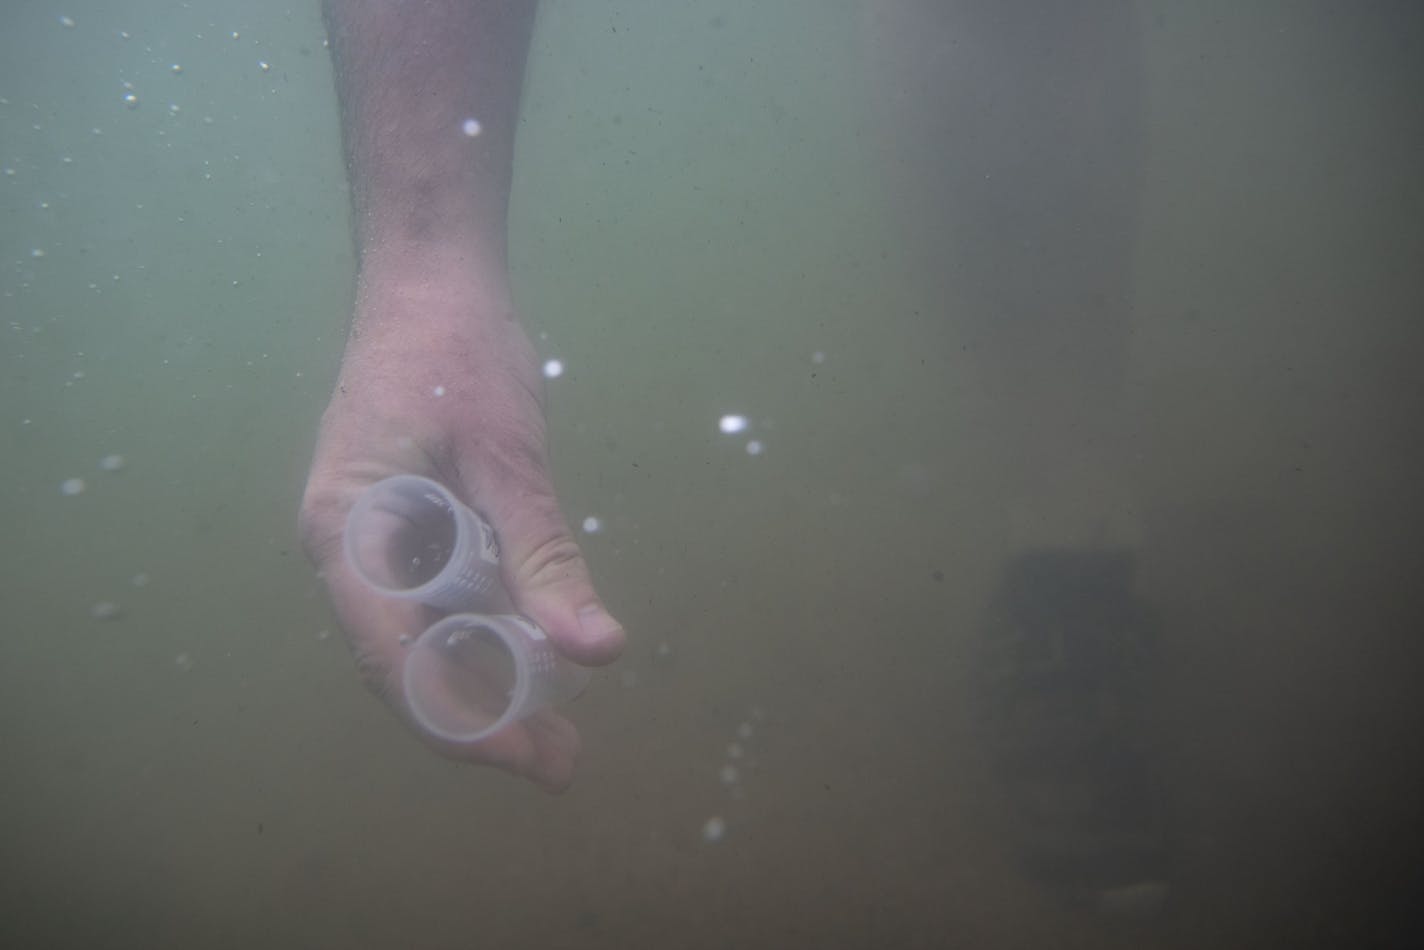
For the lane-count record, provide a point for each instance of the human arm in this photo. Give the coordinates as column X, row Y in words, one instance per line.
column 438, row 377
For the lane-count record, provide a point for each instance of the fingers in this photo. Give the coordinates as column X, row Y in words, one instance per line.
column 505, row 476
column 543, row 748
column 549, row 580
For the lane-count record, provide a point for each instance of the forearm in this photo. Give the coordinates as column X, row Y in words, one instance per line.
column 411, row 75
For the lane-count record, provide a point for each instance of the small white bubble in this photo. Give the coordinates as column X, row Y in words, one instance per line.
column 236, row 35
column 105, row 610
column 438, row 391
column 592, row 525
column 713, row 829
column 754, row 447
column 111, row 463
column 553, row 369
column 139, row 580
column 37, row 252
column 470, row 127
column 71, row 486
column 131, row 100
column 731, row 424
column 264, row 65
column 818, row 357
column 67, row 22
column 323, row 634
column 174, row 108
column 729, row 775
column 123, row 34
column 176, row 68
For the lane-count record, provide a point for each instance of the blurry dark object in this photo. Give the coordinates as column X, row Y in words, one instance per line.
column 1062, row 690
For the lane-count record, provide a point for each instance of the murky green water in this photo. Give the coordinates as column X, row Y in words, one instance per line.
column 983, row 283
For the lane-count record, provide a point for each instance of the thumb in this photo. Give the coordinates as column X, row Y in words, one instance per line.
column 549, row 582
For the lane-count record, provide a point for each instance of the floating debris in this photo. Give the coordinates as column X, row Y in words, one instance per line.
column 106, row 610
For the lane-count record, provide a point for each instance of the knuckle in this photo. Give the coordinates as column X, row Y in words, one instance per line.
column 556, row 558
column 319, row 524
column 375, row 674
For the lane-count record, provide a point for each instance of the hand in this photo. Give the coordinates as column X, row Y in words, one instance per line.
column 440, row 380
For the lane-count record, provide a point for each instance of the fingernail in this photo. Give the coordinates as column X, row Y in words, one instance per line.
column 595, row 623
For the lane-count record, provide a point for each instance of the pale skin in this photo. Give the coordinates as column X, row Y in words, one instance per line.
column 438, row 377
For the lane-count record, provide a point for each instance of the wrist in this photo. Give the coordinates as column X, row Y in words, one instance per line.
column 439, row 284
column 435, row 319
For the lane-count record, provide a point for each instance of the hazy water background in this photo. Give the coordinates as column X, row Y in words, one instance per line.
column 708, row 195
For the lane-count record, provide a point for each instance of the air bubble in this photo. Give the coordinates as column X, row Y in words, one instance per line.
column 731, row 424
